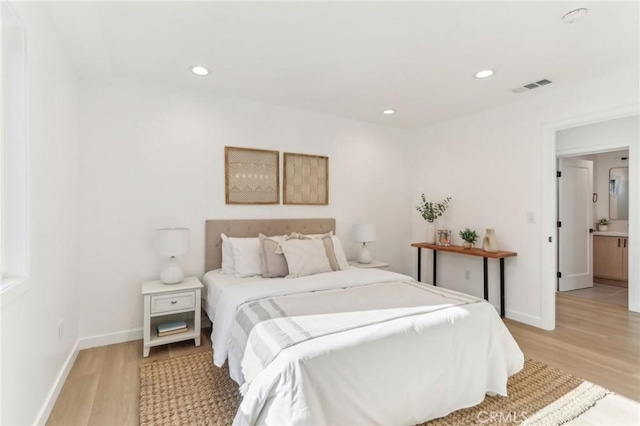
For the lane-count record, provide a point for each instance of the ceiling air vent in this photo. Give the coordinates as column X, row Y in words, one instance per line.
column 531, row 86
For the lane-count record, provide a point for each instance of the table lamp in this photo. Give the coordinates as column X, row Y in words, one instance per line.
column 172, row 242
column 365, row 233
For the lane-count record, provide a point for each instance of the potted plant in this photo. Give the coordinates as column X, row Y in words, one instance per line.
column 430, row 211
column 603, row 224
column 469, row 238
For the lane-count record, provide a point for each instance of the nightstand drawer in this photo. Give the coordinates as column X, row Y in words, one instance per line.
column 173, row 302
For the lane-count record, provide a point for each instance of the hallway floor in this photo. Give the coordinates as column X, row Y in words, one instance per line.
column 603, row 293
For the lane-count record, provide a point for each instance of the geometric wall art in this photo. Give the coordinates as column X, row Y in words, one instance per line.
column 252, row 176
column 306, row 179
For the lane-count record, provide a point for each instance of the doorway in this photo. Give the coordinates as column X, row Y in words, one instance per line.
column 593, row 226
column 585, row 142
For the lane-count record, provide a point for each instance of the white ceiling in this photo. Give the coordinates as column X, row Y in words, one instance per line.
column 352, row 59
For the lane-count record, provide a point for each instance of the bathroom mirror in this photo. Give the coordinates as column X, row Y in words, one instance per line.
column 619, row 193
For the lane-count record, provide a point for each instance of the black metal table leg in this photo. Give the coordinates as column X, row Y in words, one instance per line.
column 486, row 278
column 435, row 256
column 419, row 262
column 502, row 287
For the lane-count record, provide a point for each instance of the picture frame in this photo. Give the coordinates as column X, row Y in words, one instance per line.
column 252, row 176
column 306, row 179
column 444, row 238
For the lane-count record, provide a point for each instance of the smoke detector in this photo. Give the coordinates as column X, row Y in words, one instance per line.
column 575, row 15
column 531, row 86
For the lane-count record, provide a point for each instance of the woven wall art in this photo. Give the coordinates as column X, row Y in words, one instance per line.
column 306, row 179
column 252, row 176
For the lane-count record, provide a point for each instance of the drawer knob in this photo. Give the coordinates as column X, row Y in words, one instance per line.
column 173, row 302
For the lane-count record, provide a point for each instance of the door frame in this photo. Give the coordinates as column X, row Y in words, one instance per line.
column 549, row 205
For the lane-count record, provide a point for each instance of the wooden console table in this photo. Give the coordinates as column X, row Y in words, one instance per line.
column 469, row 252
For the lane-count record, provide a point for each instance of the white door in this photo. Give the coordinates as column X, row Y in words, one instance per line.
column 575, row 214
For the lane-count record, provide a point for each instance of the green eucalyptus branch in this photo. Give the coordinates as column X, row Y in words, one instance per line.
column 430, row 211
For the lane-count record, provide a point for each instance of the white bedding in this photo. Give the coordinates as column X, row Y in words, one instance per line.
column 403, row 371
column 215, row 282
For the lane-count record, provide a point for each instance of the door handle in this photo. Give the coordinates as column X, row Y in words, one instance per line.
column 591, row 230
column 618, row 242
column 625, row 242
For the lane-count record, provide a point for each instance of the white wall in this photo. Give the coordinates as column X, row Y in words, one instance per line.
column 153, row 157
column 598, row 134
column 32, row 354
column 491, row 164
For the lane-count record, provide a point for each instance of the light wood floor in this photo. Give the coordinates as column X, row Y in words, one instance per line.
column 103, row 386
column 603, row 293
column 597, row 341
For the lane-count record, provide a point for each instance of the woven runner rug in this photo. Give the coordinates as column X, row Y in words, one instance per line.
column 189, row 390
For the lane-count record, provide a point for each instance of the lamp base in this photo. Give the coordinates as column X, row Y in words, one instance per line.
column 171, row 273
column 364, row 256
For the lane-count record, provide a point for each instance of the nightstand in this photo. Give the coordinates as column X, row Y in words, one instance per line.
column 373, row 264
column 165, row 303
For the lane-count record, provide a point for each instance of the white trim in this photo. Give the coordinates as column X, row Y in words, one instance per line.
column 549, row 207
column 634, row 229
column 52, row 397
column 110, row 338
column 548, row 230
column 523, row 318
column 595, row 149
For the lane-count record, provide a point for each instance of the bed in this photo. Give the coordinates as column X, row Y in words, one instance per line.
column 354, row 346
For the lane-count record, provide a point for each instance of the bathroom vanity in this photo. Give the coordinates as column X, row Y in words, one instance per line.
column 611, row 257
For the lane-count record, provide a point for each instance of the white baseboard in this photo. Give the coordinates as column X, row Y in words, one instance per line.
column 52, row 397
column 110, row 338
column 634, row 307
column 523, row 318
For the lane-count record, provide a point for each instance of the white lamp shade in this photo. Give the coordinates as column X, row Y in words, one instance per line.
column 365, row 233
column 172, row 241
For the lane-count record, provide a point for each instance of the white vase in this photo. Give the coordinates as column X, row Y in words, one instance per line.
column 467, row 245
column 489, row 243
column 603, row 228
column 431, row 233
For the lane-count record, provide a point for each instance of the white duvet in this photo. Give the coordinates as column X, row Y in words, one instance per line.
column 404, row 371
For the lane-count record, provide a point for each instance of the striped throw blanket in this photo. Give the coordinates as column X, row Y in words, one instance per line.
column 268, row 326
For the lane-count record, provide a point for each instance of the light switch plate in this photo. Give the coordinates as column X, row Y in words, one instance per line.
column 531, row 217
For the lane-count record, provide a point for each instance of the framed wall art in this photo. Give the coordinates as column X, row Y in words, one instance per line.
column 252, row 176
column 306, row 179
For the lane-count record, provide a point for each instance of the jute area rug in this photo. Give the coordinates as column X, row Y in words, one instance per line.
column 189, row 390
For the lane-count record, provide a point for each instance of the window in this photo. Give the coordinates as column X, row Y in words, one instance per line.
column 13, row 149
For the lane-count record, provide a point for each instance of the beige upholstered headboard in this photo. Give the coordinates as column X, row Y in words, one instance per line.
column 250, row 228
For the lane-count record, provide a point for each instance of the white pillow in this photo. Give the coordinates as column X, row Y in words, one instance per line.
column 228, row 265
column 305, row 257
column 339, row 252
column 246, row 256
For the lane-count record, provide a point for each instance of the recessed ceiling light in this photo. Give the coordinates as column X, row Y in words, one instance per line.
column 389, row 111
column 484, row 73
column 575, row 15
column 199, row 70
